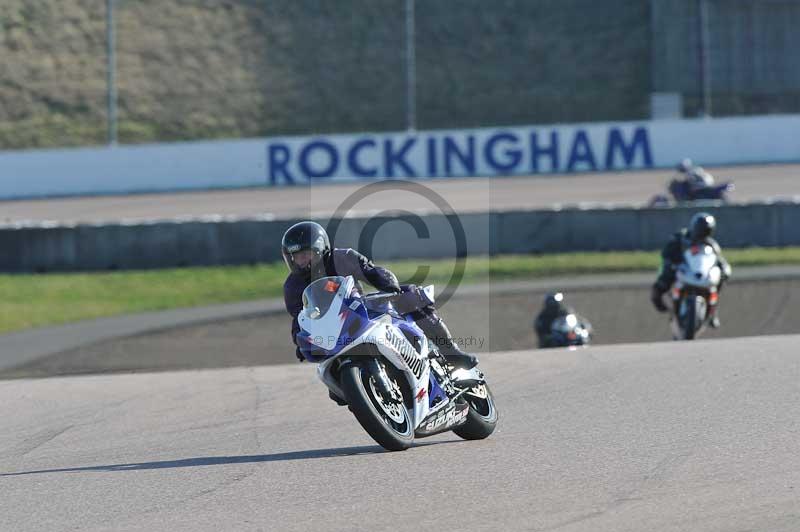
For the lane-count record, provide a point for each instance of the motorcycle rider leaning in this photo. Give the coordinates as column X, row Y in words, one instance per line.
column 309, row 256
column 552, row 309
column 700, row 231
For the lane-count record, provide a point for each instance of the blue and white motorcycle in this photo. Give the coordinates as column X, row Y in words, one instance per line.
column 393, row 379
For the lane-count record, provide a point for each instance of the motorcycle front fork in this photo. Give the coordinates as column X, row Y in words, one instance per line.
column 712, row 300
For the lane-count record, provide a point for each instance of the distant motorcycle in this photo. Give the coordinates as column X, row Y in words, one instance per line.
column 569, row 330
column 695, row 292
column 681, row 192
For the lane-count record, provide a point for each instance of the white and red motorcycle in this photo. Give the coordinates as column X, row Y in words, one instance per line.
column 695, row 292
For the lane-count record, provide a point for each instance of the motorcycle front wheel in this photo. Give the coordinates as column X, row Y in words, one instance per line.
column 387, row 421
column 689, row 318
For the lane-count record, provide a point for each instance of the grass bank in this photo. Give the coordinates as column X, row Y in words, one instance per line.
column 37, row 300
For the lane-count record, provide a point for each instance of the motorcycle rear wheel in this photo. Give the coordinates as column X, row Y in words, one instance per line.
column 482, row 416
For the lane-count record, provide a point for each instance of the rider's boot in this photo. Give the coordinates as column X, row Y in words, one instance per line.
column 715, row 323
column 713, row 312
column 714, row 309
column 437, row 332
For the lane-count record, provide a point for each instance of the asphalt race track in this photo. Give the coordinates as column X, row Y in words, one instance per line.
column 763, row 182
column 665, row 436
column 699, row 436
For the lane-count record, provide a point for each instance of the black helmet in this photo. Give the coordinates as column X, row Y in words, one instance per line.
column 553, row 300
column 702, row 226
column 684, row 166
column 305, row 236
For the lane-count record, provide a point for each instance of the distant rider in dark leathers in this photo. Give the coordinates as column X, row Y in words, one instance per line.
column 553, row 308
column 309, row 256
column 700, row 231
column 696, row 177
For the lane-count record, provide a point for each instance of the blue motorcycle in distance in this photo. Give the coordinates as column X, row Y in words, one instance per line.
column 681, row 192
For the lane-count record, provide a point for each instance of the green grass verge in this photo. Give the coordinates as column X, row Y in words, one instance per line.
column 46, row 299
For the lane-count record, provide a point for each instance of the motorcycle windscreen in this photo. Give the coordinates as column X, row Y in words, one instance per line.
column 321, row 316
column 318, row 296
column 700, row 262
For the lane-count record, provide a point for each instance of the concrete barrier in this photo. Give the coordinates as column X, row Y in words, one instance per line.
column 217, row 241
column 767, row 225
column 488, row 151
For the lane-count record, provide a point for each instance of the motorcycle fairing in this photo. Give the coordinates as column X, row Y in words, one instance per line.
column 699, row 267
column 327, row 337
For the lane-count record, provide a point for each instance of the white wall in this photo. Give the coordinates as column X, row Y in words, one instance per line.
column 368, row 156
